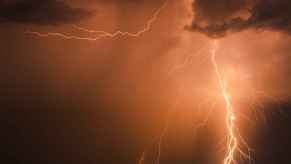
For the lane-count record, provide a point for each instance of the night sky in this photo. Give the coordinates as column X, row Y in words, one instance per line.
column 70, row 101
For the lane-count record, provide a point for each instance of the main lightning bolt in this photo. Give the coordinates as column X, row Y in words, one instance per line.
column 232, row 142
column 103, row 34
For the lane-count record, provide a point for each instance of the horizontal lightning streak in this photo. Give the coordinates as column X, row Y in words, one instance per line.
column 102, row 34
column 137, row 34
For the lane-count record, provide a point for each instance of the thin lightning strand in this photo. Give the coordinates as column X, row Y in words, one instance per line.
column 159, row 147
column 189, row 60
column 104, row 34
column 137, row 34
column 160, row 139
column 232, row 143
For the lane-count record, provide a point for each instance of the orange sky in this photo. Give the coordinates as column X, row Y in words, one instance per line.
column 141, row 78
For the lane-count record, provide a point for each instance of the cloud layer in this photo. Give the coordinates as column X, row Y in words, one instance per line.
column 45, row 12
column 216, row 18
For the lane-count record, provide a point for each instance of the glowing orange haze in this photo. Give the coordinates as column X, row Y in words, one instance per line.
column 167, row 65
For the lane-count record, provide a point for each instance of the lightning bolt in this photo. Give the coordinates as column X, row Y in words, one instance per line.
column 103, row 34
column 232, row 142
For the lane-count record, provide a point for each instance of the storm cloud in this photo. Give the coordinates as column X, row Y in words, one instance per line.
column 45, row 12
column 216, row 18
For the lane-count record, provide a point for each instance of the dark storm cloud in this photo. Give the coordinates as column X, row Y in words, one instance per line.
column 41, row 12
column 216, row 18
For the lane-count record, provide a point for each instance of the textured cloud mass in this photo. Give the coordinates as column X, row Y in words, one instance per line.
column 216, row 18
column 44, row 12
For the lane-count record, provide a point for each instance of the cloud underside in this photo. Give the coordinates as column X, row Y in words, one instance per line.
column 44, row 12
column 217, row 18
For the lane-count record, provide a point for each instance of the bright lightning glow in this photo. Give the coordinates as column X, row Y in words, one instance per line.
column 103, row 34
column 232, row 142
